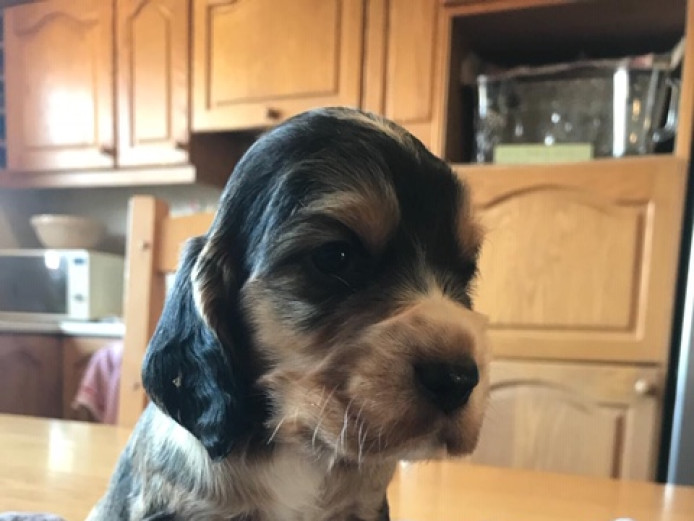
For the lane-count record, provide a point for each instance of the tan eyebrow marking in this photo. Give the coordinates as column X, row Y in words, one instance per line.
column 371, row 215
column 470, row 235
column 470, row 230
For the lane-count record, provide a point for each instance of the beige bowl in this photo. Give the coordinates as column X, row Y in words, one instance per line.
column 67, row 231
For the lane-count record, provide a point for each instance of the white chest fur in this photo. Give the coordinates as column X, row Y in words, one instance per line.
column 294, row 487
column 287, row 485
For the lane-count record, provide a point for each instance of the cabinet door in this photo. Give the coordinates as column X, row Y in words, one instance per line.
column 257, row 62
column 30, row 368
column 580, row 260
column 59, row 82
column 596, row 420
column 153, row 63
column 403, row 71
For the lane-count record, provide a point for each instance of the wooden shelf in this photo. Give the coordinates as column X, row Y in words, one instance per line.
column 563, row 31
column 561, row 20
column 184, row 174
column 601, row 166
column 472, row 7
column 510, row 33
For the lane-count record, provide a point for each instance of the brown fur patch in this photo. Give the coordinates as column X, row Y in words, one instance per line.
column 373, row 214
column 470, row 230
column 357, row 400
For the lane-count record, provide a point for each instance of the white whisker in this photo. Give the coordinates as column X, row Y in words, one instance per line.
column 276, row 430
column 345, row 422
column 362, row 440
column 320, row 418
column 341, row 438
column 361, row 409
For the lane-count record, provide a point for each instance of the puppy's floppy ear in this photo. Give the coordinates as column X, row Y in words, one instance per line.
column 195, row 368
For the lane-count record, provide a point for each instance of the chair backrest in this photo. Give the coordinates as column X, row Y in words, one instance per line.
column 153, row 246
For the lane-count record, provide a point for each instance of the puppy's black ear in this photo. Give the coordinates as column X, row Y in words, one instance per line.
column 194, row 368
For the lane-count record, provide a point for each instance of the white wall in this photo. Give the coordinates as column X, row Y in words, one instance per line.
column 109, row 205
column 7, row 236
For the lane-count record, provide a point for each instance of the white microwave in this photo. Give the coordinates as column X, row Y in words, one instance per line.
column 60, row 285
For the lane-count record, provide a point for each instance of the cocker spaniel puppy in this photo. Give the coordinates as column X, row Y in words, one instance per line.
column 321, row 331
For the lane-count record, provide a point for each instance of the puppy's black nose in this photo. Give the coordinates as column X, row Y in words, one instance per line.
column 447, row 385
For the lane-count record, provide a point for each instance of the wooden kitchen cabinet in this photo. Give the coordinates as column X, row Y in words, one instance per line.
column 257, row 62
column 70, row 130
column 30, row 375
column 40, row 374
column 592, row 419
column 403, row 80
column 471, row 7
column 579, row 266
column 580, row 260
column 59, row 85
column 153, row 43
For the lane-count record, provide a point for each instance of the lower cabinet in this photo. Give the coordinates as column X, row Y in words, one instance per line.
column 40, row 374
column 591, row 419
column 30, row 379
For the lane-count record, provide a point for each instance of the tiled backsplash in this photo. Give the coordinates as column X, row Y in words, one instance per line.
column 109, row 205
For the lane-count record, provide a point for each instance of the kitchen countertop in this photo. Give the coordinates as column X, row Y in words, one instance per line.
column 71, row 328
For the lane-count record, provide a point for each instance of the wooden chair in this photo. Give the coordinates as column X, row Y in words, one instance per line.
column 153, row 245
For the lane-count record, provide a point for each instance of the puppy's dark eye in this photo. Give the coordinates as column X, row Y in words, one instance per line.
column 333, row 258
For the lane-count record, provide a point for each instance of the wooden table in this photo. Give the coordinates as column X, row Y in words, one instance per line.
column 63, row 468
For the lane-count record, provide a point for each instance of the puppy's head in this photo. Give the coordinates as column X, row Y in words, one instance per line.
column 329, row 305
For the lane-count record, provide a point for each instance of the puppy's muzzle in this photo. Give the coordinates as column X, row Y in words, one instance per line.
column 447, row 385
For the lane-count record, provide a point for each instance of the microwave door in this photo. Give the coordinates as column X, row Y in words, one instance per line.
column 34, row 287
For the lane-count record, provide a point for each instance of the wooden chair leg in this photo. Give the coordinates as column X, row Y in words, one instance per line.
column 144, row 299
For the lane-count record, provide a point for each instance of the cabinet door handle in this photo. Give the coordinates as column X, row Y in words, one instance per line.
column 644, row 387
column 273, row 113
column 108, row 150
column 182, row 145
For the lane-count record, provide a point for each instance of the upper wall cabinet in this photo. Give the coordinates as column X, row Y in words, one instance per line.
column 153, row 42
column 403, row 60
column 257, row 62
column 59, row 82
